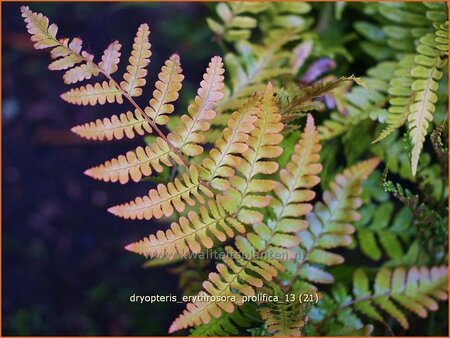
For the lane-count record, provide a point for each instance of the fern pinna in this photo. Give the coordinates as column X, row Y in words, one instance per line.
column 238, row 191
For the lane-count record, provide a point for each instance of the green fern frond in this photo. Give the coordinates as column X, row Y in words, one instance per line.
column 228, row 324
column 426, row 74
column 402, row 97
column 416, row 289
column 330, row 223
column 284, row 319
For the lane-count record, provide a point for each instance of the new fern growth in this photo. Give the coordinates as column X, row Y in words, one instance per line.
column 252, row 192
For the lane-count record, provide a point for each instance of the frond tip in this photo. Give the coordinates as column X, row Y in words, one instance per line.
column 111, row 58
column 167, row 88
column 189, row 135
column 134, row 78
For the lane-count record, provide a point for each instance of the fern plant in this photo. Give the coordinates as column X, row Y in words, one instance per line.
column 251, row 191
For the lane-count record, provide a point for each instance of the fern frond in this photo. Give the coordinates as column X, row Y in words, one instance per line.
column 111, row 58
column 330, row 222
column 402, row 96
column 227, row 324
column 167, row 88
column 126, row 124
column 42, row 34
column 284, row 319
column 427, row 73
column 135, row 164
column 92, row 94
column 236, row 23
column 65, row 52
column 220, row 162
column 226, row 154
column 263, row 146
column 257, row 65
column 134, row 78
column 297, row 178
column 165, row 198
column 360, row 102
column 415, row 289
column 254, row 260
column 80, row 73
column 188, row 136
column 238, row 275
column 190, row 233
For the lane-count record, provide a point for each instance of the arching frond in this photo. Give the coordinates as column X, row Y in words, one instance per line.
column 134, row 78
column 42, row 33
column 65, row 52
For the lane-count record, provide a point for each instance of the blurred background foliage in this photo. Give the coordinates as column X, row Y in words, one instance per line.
column 65, row 271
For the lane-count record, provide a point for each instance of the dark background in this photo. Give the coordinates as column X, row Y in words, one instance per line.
column 65, row 270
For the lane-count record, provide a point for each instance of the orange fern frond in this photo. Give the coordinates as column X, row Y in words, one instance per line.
column 135, row 164
column 42, row 34
column 93, row 94
column 294, row 193
column 238, row 275
column 254, row 262
column 65, row 52
column 111, row 58
column 165, row 198
column 128, row 124
column 134, row 78
column 263, row 145
column 190, row 233
column 80, row 73
column 189, row 134
column 226, row 154
column 167, row 88
column 220, row 163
